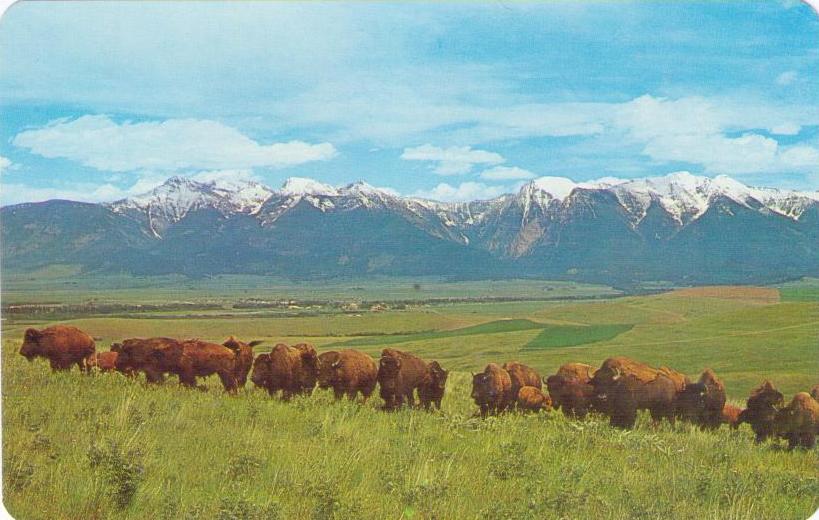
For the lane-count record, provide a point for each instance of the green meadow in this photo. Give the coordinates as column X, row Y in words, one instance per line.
column 107, row 447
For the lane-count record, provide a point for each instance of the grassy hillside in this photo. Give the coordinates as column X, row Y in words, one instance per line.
column 104, row 446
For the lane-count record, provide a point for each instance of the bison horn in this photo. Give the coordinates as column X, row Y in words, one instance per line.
column 616, row 375
column 336, row 364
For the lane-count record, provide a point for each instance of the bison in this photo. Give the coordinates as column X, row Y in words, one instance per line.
column 244, row 358
column 137, row 354
column 575, row 397
column 575, row 372
column 521, row 375
column 431, row 390
column 730, row 415
column 532, row 399
column 492, row 390
column 799, row 421
column 604, row 376
column 702, row 402
column 63, row 346
column 293, row 370
column 194, row 358
column 399, row 375
column 103, row 361
column 760, row 412
column 348, row 372
column 814, row 392
column 628, row 393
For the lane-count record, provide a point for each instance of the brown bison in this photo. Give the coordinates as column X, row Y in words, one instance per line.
column 532, row 399
column 702, row 402
column 348, row 372
column 643, row 373
column 137, row 354
column 575, row 397
column 492, row 390
column 244, row 358
column 293, row 370
column 431, row 390
column 399, row 375
column 627, row 393
column 102, row 361
column 814, row 392
column 62, row 345
column 760, row 412
column 799, row 421
column 194, row 358
column 522, row 375
column 575, row 372
column 730, row 415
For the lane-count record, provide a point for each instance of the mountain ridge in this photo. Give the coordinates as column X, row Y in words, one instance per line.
column 676, row 227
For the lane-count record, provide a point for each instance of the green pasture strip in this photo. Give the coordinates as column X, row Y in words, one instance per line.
column 557, row 336
column 492, row 327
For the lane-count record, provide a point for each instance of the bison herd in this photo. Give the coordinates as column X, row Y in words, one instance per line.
column 618, row 389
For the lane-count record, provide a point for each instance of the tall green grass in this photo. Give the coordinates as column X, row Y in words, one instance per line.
column 108, row 447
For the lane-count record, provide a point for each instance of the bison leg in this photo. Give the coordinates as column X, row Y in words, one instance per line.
column 438, row 403
column 187, row 378
column 351, row 393
column 807, row 440
column 338, row 393
column 228, row 381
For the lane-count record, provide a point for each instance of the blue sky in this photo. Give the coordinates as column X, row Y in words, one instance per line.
column 452, row 101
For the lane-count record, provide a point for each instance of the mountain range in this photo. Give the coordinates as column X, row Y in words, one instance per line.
column 679, row 227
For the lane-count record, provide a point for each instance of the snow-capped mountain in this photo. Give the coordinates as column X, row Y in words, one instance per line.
column 675, row 227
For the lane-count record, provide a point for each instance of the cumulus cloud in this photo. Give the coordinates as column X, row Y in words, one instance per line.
column 455, row 160
column 787, row 77
column 786, row 129
column 170, row 145
column 507, row 173
column 466, row 191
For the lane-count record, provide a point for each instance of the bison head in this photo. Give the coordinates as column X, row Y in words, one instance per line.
column 244, row 357
column 31, row 344
column 310, row 366
column 261, row 370
column 437, row 376
column 483, row 391
column 691, row 401
column 766, row 396
column 388, row 370
column 329, row 365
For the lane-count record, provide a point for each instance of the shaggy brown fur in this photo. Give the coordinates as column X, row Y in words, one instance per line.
column 492, row 390
column 799, row 421
column 399, row 374
column 642, row 373
column 702, row 402
column 244, row 358
column 628, row 394
column 62, row 345
column 521, row 376
column 531, row 399
column 136, row 354
column 348, row 372
column 814, row 392
column 431, row 391
column 761, row 410
column 194, row 358
column 578, row 372
column 730, row 415
column 575, row 397
column 293, row 370
column 102, row 361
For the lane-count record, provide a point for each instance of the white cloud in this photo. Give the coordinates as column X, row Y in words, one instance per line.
column 787, row 77
column 786, row 129
column 466, row 191
column 506, row 173
column 5, row 164
column 455, row 160
column 170, row 145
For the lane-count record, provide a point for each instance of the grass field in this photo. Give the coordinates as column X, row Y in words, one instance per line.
column 107, row 447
